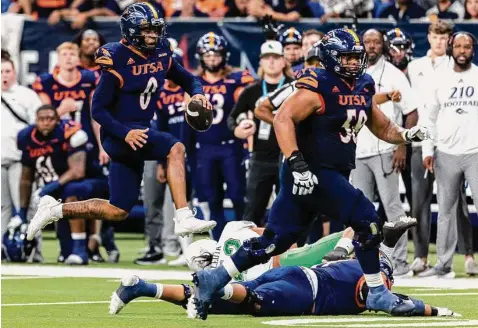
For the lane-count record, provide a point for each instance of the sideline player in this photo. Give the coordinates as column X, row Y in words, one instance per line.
column 217, row 149
column 124, row 104
column 329, row 107
column 54, row 156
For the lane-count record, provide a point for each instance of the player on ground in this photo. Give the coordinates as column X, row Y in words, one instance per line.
column 329, row 108
column 339, row 288
column 218, row 149
column 54, row 156
column 124, row 104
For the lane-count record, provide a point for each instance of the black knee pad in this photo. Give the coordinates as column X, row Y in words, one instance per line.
column 368, row 235
column 252, row 303
column 260, row 248
column 187, row 296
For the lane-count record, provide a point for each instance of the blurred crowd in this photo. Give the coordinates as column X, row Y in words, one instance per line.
column 401, row 83
column 80, row 11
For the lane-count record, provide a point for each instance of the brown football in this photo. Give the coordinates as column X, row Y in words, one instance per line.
column 198, row 117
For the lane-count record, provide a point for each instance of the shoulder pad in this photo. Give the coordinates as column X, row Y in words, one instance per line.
column 40, row 82
column 104, row 56
column 369, row 83
column 22, row 137
column 88, row 76
column 246, row 77
column 307, row 79
column 79, row 138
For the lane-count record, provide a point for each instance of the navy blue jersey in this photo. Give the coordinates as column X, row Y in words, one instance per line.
column 222, row 94
column 340, row 288
column 328, row 137
column 127, row 94
column 171, row 105
column 80, row 91
column 48, row 156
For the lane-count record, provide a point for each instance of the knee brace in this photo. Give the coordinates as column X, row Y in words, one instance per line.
column 252, row 302
column 368, row 235
column 260, row 248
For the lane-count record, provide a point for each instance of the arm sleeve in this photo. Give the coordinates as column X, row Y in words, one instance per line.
column 186, row 80
column 241, row 106
column 280, row 95
column 103, row 99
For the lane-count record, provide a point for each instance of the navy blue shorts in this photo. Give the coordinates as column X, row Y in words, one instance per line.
column 84, row 189
column 127, row 165
column 282, row 291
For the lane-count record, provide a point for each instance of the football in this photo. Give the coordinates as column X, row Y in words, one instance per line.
column 198, row 117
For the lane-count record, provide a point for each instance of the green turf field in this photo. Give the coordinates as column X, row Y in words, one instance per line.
column 29, row 301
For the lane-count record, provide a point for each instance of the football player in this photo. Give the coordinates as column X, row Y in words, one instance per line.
column 329, row 108
column 324, row 289
column 400, row 48
column 291, row 40
column 54, row 156
column 217, row 149
column 124, row 104
column 89, row 41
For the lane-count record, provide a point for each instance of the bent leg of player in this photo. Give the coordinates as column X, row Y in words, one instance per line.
column 339, row 199
column 288, row 218
column 132, row 287
column 310, row 255
column 271, row 293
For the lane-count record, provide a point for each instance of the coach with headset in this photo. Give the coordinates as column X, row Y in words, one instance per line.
column 452, row 117
column 378, row 163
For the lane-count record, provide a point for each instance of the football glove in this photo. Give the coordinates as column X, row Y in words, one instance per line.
column 304, row 180
column 416, row 134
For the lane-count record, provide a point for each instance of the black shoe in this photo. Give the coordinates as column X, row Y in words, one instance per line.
column 95, row 256
column 392, row 231
column 153, row 256
column 337, row 254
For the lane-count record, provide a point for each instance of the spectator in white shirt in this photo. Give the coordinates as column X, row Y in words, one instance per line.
column 452, row 117
column 420, row 72
column 378, row 163
column 19, row 105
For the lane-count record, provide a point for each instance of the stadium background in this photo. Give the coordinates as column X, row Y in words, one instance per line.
column 39, row 40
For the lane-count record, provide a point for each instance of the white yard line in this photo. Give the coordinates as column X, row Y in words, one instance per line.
column 88, row 272
column 368, row 322
column 444, row 294
column 75, row 303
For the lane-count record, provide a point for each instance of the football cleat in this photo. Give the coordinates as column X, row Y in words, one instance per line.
column 471, row 268
column 126, row 292
column 189, row 224
column 77, row 259
column 418, row 265
column 180, row 261
column 385, row 301
column 113, row 256
column 43, row 216
column 392, row 231
column 438, row 271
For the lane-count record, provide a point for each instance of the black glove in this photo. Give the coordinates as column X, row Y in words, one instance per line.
column 337, row 254
column 270, row 27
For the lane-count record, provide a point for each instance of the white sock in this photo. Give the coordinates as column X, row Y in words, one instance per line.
column 228, row 291
column 159, row 293
column 78, row 235
column 374, row 279
column 386, row 250
column 345, row 243
column 182, row 213
column 206, row 213
column 57, row 211
column 230, row 267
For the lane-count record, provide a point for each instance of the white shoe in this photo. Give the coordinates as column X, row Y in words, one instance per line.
column 180, row 261
column 470, row 267
column 43, row 216
column 75, row 259
column 189, row 224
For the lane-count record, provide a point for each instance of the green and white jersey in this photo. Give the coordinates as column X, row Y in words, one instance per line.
column 232, row 238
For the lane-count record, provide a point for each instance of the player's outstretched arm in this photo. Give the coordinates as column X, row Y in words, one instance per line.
column 383, row 128
column 189, row 82
column 297, row 107
column 264, row 110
